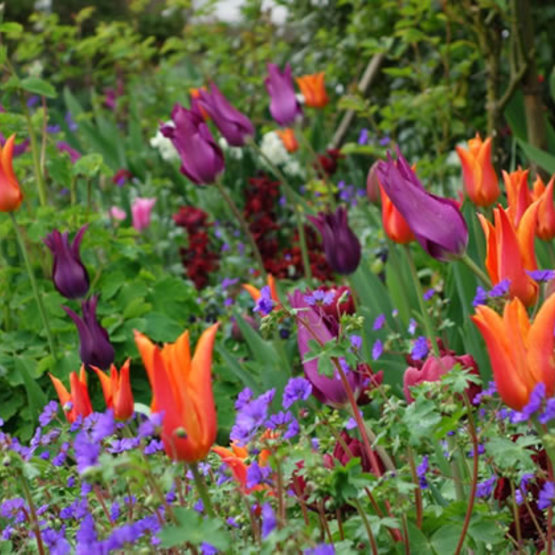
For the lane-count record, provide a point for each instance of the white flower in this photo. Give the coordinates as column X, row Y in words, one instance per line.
column 272, row 147
column 234, row 152
column 164, row 146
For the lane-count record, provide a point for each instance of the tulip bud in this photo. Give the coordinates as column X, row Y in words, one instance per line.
column 373, row 184
column 436, row 222
column 95, row 348
column 10, row 192
column 232, row 124
column 341, row 246
column 284, row 106
column 69, row 275
column 202, row 159
column 140, row 212
column 313, row 90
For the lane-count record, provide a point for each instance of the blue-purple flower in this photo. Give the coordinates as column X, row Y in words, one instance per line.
column 69, row 275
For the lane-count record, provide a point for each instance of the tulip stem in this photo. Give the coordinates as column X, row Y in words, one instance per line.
column 428, row 325
column 35, row 152
column 291, row 200
column 243, row 224
column 476, row 269
column 34, row 287
column 202, row 490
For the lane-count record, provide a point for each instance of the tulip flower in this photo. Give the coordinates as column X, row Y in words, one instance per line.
column 395, row 226
column 95, row 348
column 341, row 246
column 436, row 222
column 519, row 196
column 182, row 390
column 355, row 448
column 312, row 326
column 313, row 89
column 256, row 293
column 373, row 184
column 10, row 192
column 520, row 351
column 232, row 124
column 202, row 159
column 479, row 177
column 117, row 214
column 510, row 252
column 435, row 367
column 78, row 397
column 140, row 212
column 545, row 226
column 116, row 389
column 288, row 139
column 69, row 275
column 284, row 106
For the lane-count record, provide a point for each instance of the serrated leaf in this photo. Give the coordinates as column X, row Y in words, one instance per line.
column 39, row 86
column 88, row 165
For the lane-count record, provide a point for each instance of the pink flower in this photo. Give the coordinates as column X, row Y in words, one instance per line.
column 117, row 213
column 140, row 211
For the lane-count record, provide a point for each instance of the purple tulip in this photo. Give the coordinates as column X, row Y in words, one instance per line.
column 312, row 325
column 233, row 125
column 436, row 222
column 69, row 275
column 95, row 348
column 341, row 246
column 201, row 158
column 284, row 106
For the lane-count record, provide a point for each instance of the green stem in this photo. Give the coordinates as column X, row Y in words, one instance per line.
column 35, row 153
column 202, row 490
column 35, row 523
column 465, row 259
column 36, row 294
column 291, row 200
column 362, row 514
column 243, row 224
column 327, row 182
column 428, row 325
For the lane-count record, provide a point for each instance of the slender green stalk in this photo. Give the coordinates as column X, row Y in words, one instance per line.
column 243, row 224
column 327, row 182
column 35, row 523
column 367, row 526
column 291, row 200
column 35, row 153
column 34, row 287
column 428, row 325
column 202, row 490
column 465, row 259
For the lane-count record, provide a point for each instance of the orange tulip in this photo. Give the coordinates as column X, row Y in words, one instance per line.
column 10, row 192
column 255, row 293
column 182, row 389
column 545, row 227
column 117, row 390
column 313, row 89
column 288, row 139
column 79, row 396
column 521, row 352
column 510, row 251
column 479, row 177
column 519, row 197
column 395, row 226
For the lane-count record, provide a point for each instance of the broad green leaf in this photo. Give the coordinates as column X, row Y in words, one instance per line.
column 39, row 86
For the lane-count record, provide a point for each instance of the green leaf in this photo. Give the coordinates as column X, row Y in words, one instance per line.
column 35, row 395
column 11, row 28
column 88, row 165
column 540, row 157
column 235, row 368
column 194, row 529
column 445, row 539
column 38, row 86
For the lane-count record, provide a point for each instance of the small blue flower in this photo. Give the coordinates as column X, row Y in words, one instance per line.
column 297, row 389
column 363, row 136
column 546, row 496
column 421, row 471
column 500, row 289
column 379, row 322
column 356, row 341
column 377, row 349
column 264, row 304
column 420, row 348
column 485, row 489
column 268, row 520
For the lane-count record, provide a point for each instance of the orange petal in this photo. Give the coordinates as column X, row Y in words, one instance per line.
column 252, row 291
column 106, row 384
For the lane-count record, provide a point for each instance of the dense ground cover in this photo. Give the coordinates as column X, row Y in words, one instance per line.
column 277, row 289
